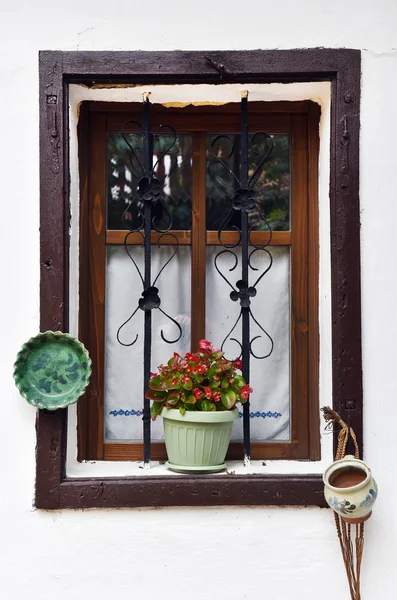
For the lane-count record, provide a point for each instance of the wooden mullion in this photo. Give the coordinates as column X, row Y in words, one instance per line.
column 259, row 238
column 299, row 291
column 117, row 237
column 198, row 239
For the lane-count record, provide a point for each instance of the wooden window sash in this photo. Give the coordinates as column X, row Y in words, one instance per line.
column 302, row 124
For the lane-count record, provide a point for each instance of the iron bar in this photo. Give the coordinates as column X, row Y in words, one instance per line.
column 244, row 274
column 147, row 343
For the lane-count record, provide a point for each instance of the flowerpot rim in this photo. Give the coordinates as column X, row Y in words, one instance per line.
column 348, row 461
column 198, row 416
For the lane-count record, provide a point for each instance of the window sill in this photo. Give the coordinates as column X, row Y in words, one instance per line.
column 159, row 487
column 181, row 490
column 268, row 468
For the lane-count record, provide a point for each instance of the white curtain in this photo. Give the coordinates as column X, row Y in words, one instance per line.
column 124, row 365
column 270, row 378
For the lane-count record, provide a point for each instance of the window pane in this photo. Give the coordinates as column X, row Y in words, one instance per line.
column 270, row 377
column 124, row 365
column 173, row 169
column 272, row 185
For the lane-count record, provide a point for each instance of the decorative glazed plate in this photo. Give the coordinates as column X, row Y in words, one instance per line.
column 52, row 370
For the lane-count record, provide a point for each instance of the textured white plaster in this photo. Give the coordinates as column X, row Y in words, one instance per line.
column 274, row 553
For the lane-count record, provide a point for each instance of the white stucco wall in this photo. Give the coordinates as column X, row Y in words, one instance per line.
column 209, row 553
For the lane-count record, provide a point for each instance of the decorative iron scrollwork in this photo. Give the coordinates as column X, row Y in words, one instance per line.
column 151, row 211
column 244, row 201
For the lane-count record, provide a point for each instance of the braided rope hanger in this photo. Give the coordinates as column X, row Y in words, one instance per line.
column 352, row 555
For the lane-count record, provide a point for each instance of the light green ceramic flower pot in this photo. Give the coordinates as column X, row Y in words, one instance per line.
column 197, row 441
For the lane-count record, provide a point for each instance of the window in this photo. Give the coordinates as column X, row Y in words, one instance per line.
column 198, row 192
column 54, row 487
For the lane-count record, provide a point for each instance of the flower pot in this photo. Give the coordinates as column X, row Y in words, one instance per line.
column 350, row 490
column 197, row 441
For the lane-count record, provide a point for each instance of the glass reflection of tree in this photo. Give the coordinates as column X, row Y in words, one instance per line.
column 272, row 186
column 174, row 169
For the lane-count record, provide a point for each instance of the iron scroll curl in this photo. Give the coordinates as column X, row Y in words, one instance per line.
column 243, row 200
column 148, row 192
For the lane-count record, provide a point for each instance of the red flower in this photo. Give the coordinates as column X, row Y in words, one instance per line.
column 174, row 381
column 197, row 393
column 200, row 369
column 185, row 379
column 192, row 357
column 153, row 374
column 176, row 355
column 208, row 393
column 246, row 390
column 217, row 396
column 184, row 364
column 238, row 364
column 204, row 345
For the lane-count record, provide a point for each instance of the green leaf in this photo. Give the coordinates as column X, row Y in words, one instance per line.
column 224, row 384
column 156, row 409
column 187, row 385
column 212, row 370
column 157, row 383
column 190, row 399
column 215, row 385
column 208, row 406
column 239, row 381
column 171, row 386
column 228, row 399
column 182, row 409
column 155, row 395
column 217, row 355
column 172, row 400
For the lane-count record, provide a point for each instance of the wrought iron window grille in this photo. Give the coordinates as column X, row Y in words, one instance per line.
column 150, row 209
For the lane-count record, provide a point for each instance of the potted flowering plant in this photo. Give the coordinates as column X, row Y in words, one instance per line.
column 197, row 397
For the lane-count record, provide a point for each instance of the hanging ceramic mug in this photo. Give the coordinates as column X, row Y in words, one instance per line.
column 349, row 489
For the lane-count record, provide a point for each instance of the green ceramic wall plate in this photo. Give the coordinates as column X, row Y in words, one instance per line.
column 52, row 370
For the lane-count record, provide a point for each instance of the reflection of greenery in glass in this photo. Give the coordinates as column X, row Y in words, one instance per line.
column 272, row 186
column 174, row 171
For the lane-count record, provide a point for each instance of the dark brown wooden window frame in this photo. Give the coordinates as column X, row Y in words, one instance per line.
column 300, row 120
column 57, row 70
